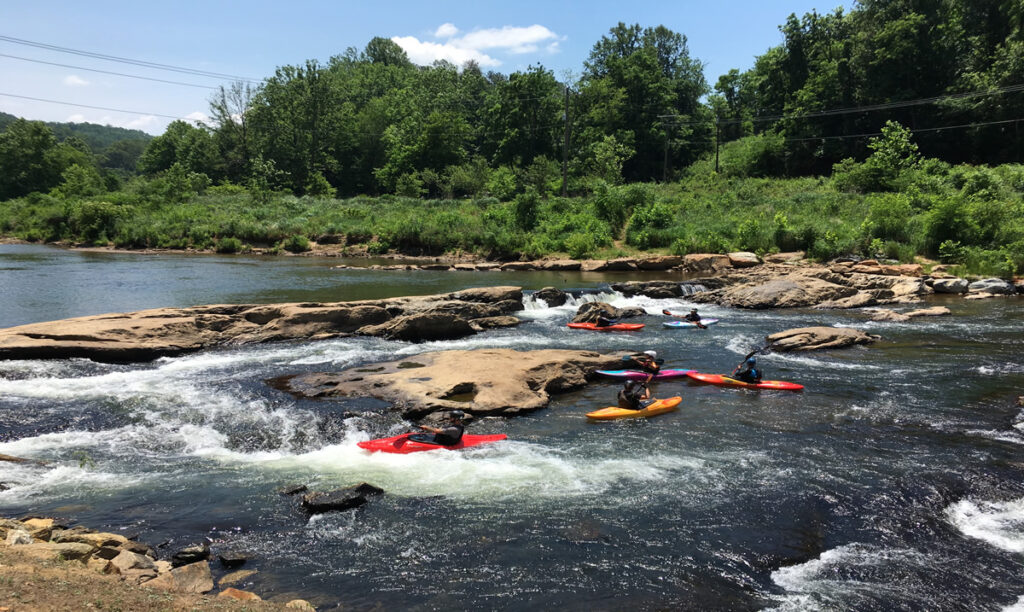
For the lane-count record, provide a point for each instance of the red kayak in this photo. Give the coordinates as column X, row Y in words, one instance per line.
column 725, row 381
column 403, row 445
column 613, row 327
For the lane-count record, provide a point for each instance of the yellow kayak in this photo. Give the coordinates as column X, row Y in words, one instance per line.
column 657, row 407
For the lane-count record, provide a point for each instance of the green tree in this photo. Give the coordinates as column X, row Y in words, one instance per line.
column 31, row 160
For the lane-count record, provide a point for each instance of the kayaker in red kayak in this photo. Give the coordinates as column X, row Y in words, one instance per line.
column 445, row 436
column 748, row 371
column 603, row 321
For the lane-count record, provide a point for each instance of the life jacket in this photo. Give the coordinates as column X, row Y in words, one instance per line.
column 449, row 435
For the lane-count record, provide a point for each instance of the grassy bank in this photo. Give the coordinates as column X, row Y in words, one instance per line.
column 969, row 216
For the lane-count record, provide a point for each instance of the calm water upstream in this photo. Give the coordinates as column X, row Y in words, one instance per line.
column 894, row 482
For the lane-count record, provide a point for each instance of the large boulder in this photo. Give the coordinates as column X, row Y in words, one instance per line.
column 783, row 258
column 785, row 292
column 421, row 327
column 191, row 578
column 816, row 338
column 744, row 259
column 653, row 289
column 561, row 265
column 660, row 262
column 481, row 382
column 706, row 263
column 996, row 286
column 589, row 311
column 950, row 285
column 552, row 297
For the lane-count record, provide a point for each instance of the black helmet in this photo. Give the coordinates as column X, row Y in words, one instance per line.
column 457, row 414
column 630, row 384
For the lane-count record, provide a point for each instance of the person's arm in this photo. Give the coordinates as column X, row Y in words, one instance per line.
column 432, row 430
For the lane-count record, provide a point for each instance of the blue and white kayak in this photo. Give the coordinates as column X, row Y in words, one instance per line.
column 689, row 325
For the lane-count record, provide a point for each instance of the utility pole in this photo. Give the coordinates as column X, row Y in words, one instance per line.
column 565, row 146
column 718, row 134
column 664, row 164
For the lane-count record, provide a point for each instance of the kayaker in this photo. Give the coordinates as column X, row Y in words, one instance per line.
column 648, row 362
column 633, row 395
column 694, row 318
column 445, row 436
column 603, row 321
column 748, row 371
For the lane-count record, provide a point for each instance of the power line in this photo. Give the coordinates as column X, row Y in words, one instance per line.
column 116, row 110
column 858, row 109
column 126, row 60
column 133, row 76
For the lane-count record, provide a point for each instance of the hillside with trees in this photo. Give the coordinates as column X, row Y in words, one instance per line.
column 891, row 129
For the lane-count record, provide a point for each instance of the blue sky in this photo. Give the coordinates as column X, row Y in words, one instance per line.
column 249, row 39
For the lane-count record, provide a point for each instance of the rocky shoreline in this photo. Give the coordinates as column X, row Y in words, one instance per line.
column 117, row 569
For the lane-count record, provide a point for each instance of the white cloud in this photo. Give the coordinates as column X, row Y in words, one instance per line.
column 199, row 117
column 471, row 46
column 446, row 30
column 424, row 53
column 142, row 123
column 76, row 118
column 514, row 39
column 73, row 80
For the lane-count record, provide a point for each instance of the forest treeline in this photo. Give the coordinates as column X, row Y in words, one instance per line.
column 944, row 80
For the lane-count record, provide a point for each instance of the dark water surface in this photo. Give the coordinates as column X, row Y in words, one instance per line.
column 894, row 482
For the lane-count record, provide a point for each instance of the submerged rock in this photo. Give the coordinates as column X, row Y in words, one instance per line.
column 485, row 381
column 815, row 338
column 341, row 499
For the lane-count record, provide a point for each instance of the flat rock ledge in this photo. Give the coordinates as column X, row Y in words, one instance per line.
column 148, row 334
column 818, row 338
column 481, row 382
column 775, row 286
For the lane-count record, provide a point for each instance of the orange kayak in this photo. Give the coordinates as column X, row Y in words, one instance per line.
column 657, row 407
column 613, row 327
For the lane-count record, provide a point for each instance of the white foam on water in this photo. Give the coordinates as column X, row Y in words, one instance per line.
column 812, row 585
column 1001, row 436
column 506, row 469
column 69, row 479
column 1000, row 524
column 1001, row 369
column 1017, row 606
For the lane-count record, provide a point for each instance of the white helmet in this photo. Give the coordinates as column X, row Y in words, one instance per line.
column 651, row 354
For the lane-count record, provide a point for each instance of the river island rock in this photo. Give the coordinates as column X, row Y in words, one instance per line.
column 815, row 338
column 494, row 381
column 147, row 334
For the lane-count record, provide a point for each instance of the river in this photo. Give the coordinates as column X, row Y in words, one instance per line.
column 895, row 481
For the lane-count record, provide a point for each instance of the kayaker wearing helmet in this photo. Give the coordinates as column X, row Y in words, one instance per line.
column 648, row 362
column 633, row 395
column 748, row 371
column 445, row 436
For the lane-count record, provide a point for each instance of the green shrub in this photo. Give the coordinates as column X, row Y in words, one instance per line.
column 229, row 245
column 296, row 244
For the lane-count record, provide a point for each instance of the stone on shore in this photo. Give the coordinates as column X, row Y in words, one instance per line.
column 481, row 382
column 744, row 259
column 237, row 594
column 148, row 334
column 192, row 578
column 950, row 285
column 816, row 338
column 996, row 286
